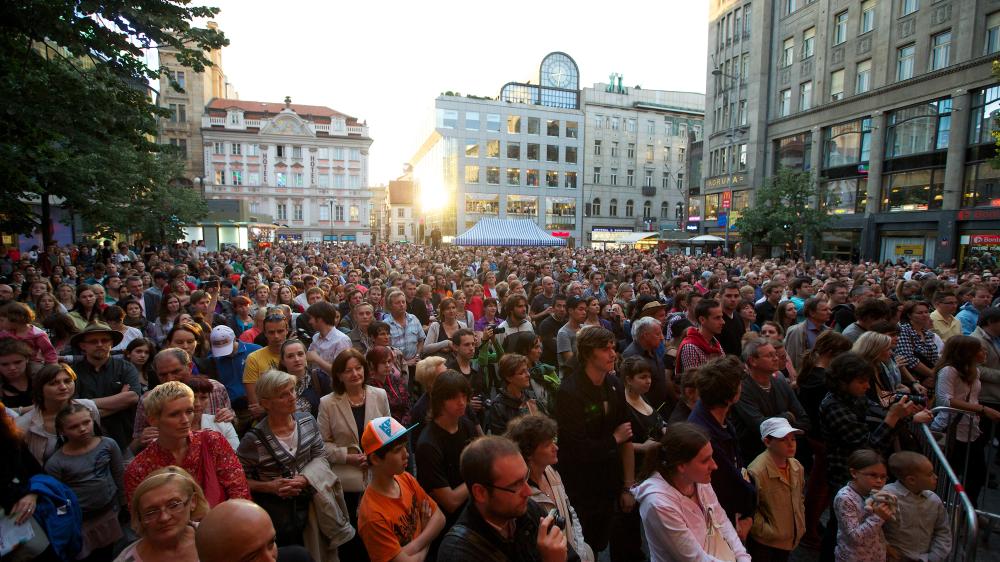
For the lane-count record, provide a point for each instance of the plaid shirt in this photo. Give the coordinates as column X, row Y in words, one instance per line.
column 691, row 356
column 846, row 430
column 913, row 348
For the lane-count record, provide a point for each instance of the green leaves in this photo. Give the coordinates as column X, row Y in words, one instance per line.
column 784, row 211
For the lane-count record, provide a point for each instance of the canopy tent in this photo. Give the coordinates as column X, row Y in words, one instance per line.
column 705, row 239
column 633, row 237
column 507, row 232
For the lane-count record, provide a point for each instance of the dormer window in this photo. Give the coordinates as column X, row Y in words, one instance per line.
column 234, row 118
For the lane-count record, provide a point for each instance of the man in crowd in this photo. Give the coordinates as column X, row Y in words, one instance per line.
column 843, row 314
column 943, row 321
column 647, row 336
column 264, row 359
column 404, row 328
column 773, row 292
column 149, row 302
column 576, row 308
column 549, row 327
column 969, row 314
column 111, row 382
column 596, row 287
column 802, row 336
column 700, row 344
column 516, row 308
column 867, row 313
column 541, row 306
column 802, row 289
column 230, row 357
column 242, row 530
column 733, row 328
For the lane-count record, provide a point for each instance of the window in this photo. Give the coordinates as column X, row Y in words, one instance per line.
column 447, row 118
column 650, row 152
column 614, row 176
column 847, row 144
column 401, row 212
column 355, row 154
column 745, row 67
column 551, row 178
column 630, row 125
column 992, row 44
column 471, row 173
column 338, row 153
column 805, row 95
column 570, row 181
column 253, row 150
column 235, row 148
column 533, row 152
column 355, row 213
column 784, row 102
column 180, row 78
column 808, row 43
column 552, row 153
column 666, row 156
column 472, row 120
column 338, row 180
column 788, row 52
column 595, row 207
column 281, row 211
column 650, row 127
column 664, row 210
column 598, row 121
column 840, row 28
column 513, row 176
column 513, row 150
column 629, row 208
column 571, row 155
column 220, row 177
column 522, row 205
column 471, row 148
column 919, row 129
column 178, row 113
column 614, row 149
column 324, row 213
column 863, row 78
column 904, row 62
column 746, row 20
column 297, row 152
column 253, row 178
column 298, row 179
column 741, row 158
column 552, row 127
column 297, row 212
column 665, row 180
column 985, row 104
column 794, row 152
column 597, row 148
column 534, row 123
column 324, row 180
column 572, row 130
column 668, row 127
column 940, row 50
column 867, row 16
column 218, row 148
column 982, row 186
column 648, row 182
column 630, row 178
column 513, row 124
column 742, row 111
column 630, row 151
column 613, row 208
column 532, row 178
column 338, row 213
column 401, row 230
column 920, row 190
column 493, row 175
column 908, row 6
column 493, row 122
column 280, row 179
column 680, row 155
column 493, row 149
column 597, row 174
column 680, row 182
column 237, row 177
column 837, row 85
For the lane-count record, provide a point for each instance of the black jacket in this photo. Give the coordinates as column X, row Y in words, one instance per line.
column 472, row 538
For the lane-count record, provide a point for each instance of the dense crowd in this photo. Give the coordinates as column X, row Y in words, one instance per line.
column 403, row 402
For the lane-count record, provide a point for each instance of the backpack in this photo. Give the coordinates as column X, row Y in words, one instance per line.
column 58, row 512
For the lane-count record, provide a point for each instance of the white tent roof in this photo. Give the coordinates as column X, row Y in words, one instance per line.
column 507, row 232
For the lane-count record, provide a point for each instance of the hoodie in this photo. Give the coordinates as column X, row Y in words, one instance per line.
column 676, row 526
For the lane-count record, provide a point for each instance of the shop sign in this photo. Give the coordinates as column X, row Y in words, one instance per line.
column 978, row 214
column 560, row 234
column 986, row 239
column 727, row 199
column 725, row 181
column 909, row 249
column 608, row 229
column 329, row 237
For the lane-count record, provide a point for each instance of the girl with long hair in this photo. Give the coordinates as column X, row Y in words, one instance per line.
column 86, row 309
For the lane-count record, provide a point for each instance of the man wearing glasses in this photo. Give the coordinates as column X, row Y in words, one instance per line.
column 499, row 517
column 943, row 321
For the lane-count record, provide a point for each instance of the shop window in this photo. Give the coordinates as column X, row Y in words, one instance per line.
column 846, row 196
column 847, row 143
column 982, row 186
column 712, row 207
column 794, row 152
column 919, row 190
column 985, row 104
column 918, row 129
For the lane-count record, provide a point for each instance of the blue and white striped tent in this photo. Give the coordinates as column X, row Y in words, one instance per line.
column 507, row 232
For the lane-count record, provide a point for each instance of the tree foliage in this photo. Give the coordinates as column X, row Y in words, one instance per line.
column 784, row 212
column 79, row 124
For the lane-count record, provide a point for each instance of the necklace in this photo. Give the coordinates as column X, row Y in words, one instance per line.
column 353, row 403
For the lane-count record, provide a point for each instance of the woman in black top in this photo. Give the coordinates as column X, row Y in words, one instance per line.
column 15, row 374
column 15, row 478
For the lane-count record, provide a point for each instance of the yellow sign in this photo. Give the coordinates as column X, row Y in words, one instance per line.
column 909, row 249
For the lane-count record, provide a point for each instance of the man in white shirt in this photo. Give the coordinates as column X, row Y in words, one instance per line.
column 516, row 308
column 328, row 341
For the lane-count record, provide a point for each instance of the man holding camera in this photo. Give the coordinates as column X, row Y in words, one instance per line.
column 500, row 518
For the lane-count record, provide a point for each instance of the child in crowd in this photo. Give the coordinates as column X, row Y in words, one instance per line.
column 396, row 516
column 92, row 467
column 922, row 531
column 16, row 321
column 780, row 520
column 859, row 527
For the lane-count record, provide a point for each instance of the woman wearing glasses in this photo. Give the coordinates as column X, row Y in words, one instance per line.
column 165, row 509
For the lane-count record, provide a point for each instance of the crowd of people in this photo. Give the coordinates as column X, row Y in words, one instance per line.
column 401, row 402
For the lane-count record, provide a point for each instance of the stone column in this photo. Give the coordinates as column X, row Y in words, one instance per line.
column 954, row 172
column 869, row 234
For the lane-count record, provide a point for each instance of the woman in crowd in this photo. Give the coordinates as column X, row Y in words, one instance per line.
column 114, row 317
column 680, row 512
column 66, row 295
column 749, row 316
column 785, row 315
column 190, row 337
column 242, row 318
column 134, row 316
column 535, row 436
column 465, row 316
column 16, row 498
column 277, row 451
column 594, row 315
column 180, row 288
column 374, row 298
column 515, row 397
column 202, row 389
column 52, row 389
column 771, row 330
column 61, row 328
column 544, row 378
column 140, row 353
column 918, row 346
column 343, row 415
column 45, row 305
column 489, row 317
column 439, row 333
column 623, row 300
column 261, row 297
column 959, row 387
column 386, row 374
column 425, row 373
column 15, row 375
column 206, row 455
column 312, row 383
column 166, row 317
column 165, row 509
column 286, row 296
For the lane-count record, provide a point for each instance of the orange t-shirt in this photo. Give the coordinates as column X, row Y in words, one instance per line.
column 387, row 524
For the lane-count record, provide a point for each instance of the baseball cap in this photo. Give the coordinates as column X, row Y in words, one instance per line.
column 776, row 427
column 381, row 432
column 222, row 338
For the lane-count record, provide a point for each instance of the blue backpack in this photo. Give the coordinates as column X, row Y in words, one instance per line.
column 58, row 512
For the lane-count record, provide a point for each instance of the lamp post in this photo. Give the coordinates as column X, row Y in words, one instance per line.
column 737, row 81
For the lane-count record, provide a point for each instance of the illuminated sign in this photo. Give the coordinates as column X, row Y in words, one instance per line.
column 978, row 214
column 986, row 239
column 725, row 181
column 561, row 234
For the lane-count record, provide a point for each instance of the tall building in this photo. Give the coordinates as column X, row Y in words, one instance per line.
column 635, row 154
column 305, row 165
column 889, row 104
column 517, row 156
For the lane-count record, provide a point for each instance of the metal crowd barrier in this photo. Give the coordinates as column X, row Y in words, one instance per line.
column 961, row 514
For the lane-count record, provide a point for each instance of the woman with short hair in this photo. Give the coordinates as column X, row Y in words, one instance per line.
column 169, row 491
column 514, row 397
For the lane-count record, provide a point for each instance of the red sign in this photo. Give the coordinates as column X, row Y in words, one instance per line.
column 986, row 239
column 995, row 203
column 727, row 199
column 561, row 234
column 978, row 214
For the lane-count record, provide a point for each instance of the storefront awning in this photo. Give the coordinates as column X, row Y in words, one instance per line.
column 633, row 237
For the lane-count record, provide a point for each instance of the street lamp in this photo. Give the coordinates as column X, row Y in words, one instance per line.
column 737, row 81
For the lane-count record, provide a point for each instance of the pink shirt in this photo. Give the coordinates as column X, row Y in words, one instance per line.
column 38, row 340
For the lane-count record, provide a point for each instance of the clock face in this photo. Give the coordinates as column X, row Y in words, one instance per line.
column 557, row 73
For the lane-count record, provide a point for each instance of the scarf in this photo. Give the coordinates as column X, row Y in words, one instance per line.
column 695, row 338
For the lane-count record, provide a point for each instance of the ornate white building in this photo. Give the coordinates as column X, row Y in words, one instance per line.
column 306, row 166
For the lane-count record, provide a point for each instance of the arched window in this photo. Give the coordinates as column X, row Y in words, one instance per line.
column 679, row 210
column 647, row 210
column 613, row 208
column 629, row 208
column 596, row 207
column 664, row 210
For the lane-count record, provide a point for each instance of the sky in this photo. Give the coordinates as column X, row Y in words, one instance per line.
column 385, row 62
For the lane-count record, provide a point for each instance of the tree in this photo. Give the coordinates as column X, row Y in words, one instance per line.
column 79, row 123
column 783, row 212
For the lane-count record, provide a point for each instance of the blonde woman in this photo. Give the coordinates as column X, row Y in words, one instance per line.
column 165, row 508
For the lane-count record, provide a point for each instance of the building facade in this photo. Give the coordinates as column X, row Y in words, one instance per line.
column 889, row 104
column 635, row 158
column 518, row 156
column 401, row 212
column 306, row 166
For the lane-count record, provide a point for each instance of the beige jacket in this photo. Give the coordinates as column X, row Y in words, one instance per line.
column 340, row 432
column 780, row 520
column 329, row 522
column 41, row 443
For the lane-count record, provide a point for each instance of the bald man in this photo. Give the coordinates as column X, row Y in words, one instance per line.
column 242, row 530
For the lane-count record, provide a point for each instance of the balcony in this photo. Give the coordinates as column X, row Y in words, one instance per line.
column 649, row 191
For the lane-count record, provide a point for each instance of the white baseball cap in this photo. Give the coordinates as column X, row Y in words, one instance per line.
column 222, row 338
column 777, row 427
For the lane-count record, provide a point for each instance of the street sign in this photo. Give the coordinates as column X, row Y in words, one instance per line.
column 727, row 199
column 722, row 219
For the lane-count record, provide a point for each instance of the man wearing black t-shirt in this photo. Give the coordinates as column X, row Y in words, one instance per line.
column 549, row 327
column 541, row 305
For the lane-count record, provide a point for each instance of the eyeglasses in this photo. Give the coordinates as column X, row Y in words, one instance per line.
column 514, row 488
column 173, row 507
